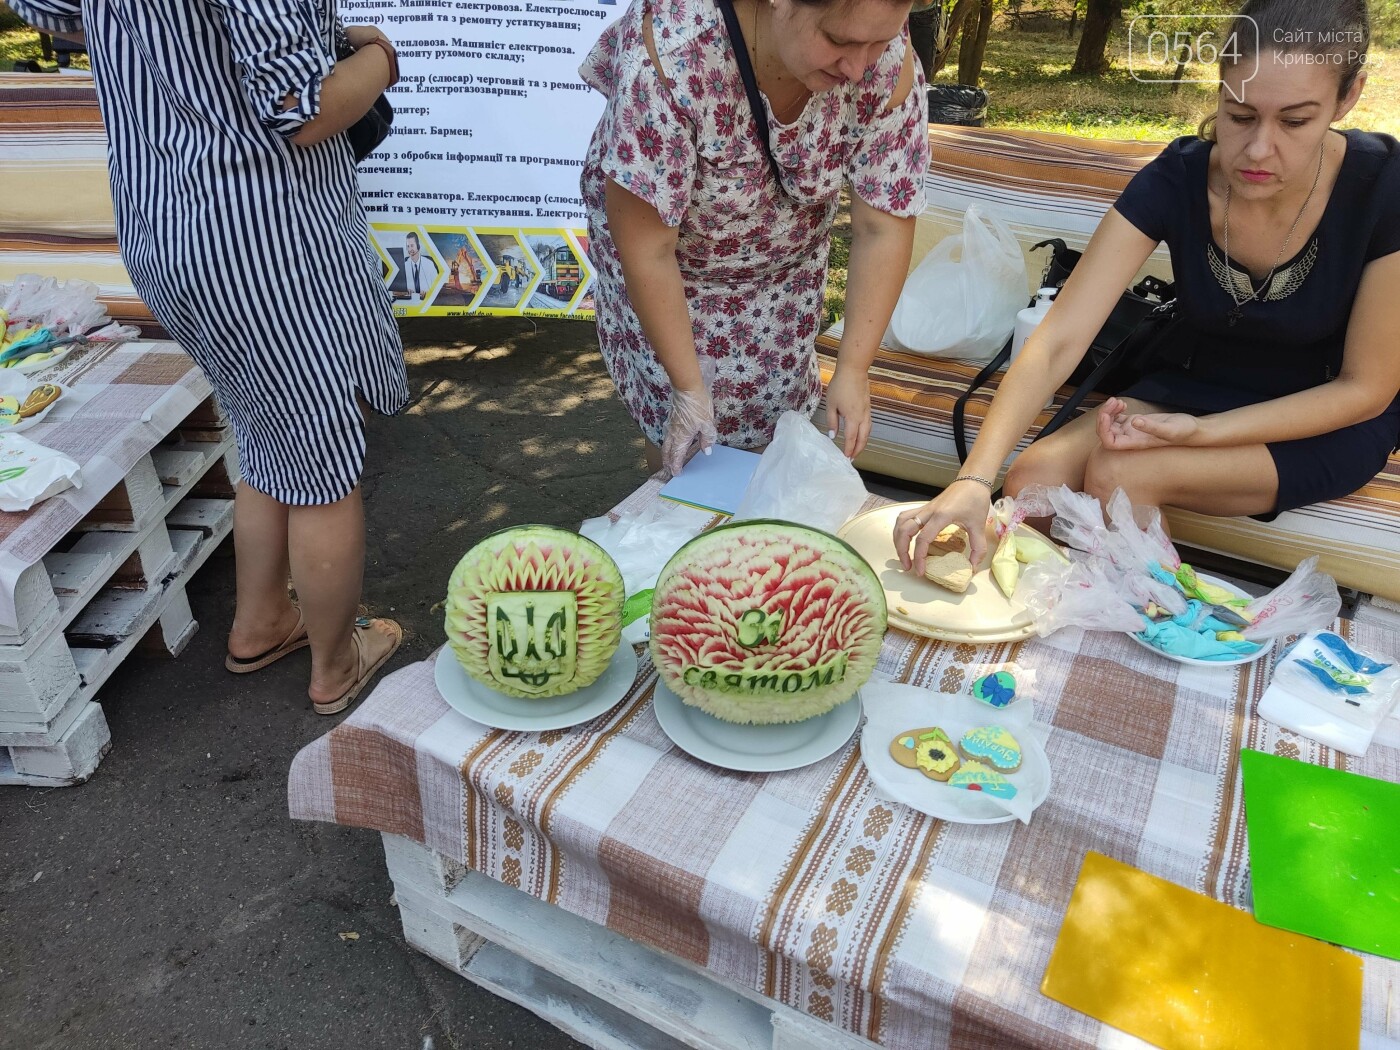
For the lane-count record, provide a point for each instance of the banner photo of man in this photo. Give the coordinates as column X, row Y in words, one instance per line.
column 492, row 123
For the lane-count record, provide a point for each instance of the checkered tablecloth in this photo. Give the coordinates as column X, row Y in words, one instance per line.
column 121, row 402
column 807, row 885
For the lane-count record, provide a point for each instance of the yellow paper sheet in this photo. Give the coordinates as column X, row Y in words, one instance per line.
column 1185, row 972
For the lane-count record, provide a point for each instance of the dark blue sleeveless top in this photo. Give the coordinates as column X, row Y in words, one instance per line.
column 1292, row 337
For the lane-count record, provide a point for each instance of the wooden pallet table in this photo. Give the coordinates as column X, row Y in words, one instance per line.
column 114, row 585
column 601, row 988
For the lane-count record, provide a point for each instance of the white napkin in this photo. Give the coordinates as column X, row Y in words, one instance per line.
column 892, row 709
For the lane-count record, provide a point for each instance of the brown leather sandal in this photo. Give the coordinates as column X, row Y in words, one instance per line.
column 363, row 672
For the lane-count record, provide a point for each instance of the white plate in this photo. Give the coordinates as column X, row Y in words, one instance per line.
column 1233, row 661
column 37, row 418
column 753, row 749
column 468, row 696
column 28, row 367
column 982, row 614
column 955, row 715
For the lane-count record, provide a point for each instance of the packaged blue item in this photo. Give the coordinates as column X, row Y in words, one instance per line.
column 1328, row 690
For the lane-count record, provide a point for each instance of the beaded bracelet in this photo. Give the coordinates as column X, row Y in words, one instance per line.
column 973, row 477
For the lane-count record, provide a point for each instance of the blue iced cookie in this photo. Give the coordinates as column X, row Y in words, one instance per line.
column 996, row 689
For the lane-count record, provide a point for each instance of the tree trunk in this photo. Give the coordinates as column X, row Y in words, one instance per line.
column 975, row 50
column 1092, row 56
column 944, row 47
column 1073, row 21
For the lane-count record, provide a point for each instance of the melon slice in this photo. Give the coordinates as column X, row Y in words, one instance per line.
column 535, row 611
column 763, row 622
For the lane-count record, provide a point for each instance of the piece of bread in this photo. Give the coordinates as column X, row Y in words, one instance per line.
column 947, row 564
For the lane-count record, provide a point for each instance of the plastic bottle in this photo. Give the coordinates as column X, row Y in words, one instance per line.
column 1027, row 319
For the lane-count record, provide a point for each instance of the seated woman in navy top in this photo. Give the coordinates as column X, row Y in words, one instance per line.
column 1285, row 245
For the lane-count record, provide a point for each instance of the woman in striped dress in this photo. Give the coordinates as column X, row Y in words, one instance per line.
column 239, row 218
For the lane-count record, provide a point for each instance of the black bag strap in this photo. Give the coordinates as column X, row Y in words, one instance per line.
column 1159, row 316
column 741, row 56
column 960, row 405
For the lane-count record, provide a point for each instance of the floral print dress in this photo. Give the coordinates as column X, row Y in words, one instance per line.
column 752, row 256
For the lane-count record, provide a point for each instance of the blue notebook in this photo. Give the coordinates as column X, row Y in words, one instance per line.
column 715, row 482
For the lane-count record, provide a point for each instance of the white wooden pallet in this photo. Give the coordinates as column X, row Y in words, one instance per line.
column 116, row 584
column 601, row 988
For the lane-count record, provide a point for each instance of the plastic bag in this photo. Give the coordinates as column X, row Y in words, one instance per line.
column 1307, row 601
column 31, row 473
column 963, row 308
column 1075, row 594
column 1332, row 692
column 641, row 544
column 803, row 477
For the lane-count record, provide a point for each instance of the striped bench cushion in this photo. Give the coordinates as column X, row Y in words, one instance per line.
column 1045, row 185
column 56, row 209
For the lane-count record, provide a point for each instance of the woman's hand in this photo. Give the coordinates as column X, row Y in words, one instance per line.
column 848, row 404
column 964, row 503
column 1121, row 431
column 690, row 426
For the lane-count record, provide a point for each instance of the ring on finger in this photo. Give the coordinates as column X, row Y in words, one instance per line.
column 918, row 521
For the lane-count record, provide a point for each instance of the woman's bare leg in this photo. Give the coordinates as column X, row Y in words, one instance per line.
column 263, row 615
column 1223, row 482
column 327, row 548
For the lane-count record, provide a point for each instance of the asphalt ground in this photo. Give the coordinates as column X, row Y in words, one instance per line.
column 170, row 901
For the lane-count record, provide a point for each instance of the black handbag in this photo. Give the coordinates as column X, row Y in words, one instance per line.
column 1139, row 334
column 369, row 132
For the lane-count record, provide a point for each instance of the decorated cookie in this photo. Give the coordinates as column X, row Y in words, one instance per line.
column 992, row 745
column 930, row 751
column 9, row 410
column 997, row 689
column 974, row 776
column 40, row 398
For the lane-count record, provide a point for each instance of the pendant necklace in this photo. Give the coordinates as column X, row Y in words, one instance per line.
column 1232, row 318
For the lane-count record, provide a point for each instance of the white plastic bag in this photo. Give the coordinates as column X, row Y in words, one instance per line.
column 963, row 308
column 641, row 544
column 31, row 473
column 803, row 477
column 1332, row 692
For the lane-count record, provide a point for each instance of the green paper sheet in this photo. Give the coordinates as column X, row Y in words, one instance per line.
column 1324, row 852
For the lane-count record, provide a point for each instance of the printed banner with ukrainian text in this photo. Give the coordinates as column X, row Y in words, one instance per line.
column 473, row 200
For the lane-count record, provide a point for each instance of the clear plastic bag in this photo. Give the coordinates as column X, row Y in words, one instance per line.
column 1307, row 601
column 1075, row 594
column 641, row 544
column 1328, row 690
column 965, row 307
column 803, row 477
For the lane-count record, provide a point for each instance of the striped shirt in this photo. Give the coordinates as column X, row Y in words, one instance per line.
column 253, row 252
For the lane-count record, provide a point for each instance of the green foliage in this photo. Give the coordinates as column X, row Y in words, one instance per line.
column 838, row 262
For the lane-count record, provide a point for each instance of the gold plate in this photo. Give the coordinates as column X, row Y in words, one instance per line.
column 980, row 615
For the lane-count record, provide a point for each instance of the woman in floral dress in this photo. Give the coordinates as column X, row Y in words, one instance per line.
column 700, row 253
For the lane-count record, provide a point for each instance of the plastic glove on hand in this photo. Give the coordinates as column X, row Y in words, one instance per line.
column 690, row 425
